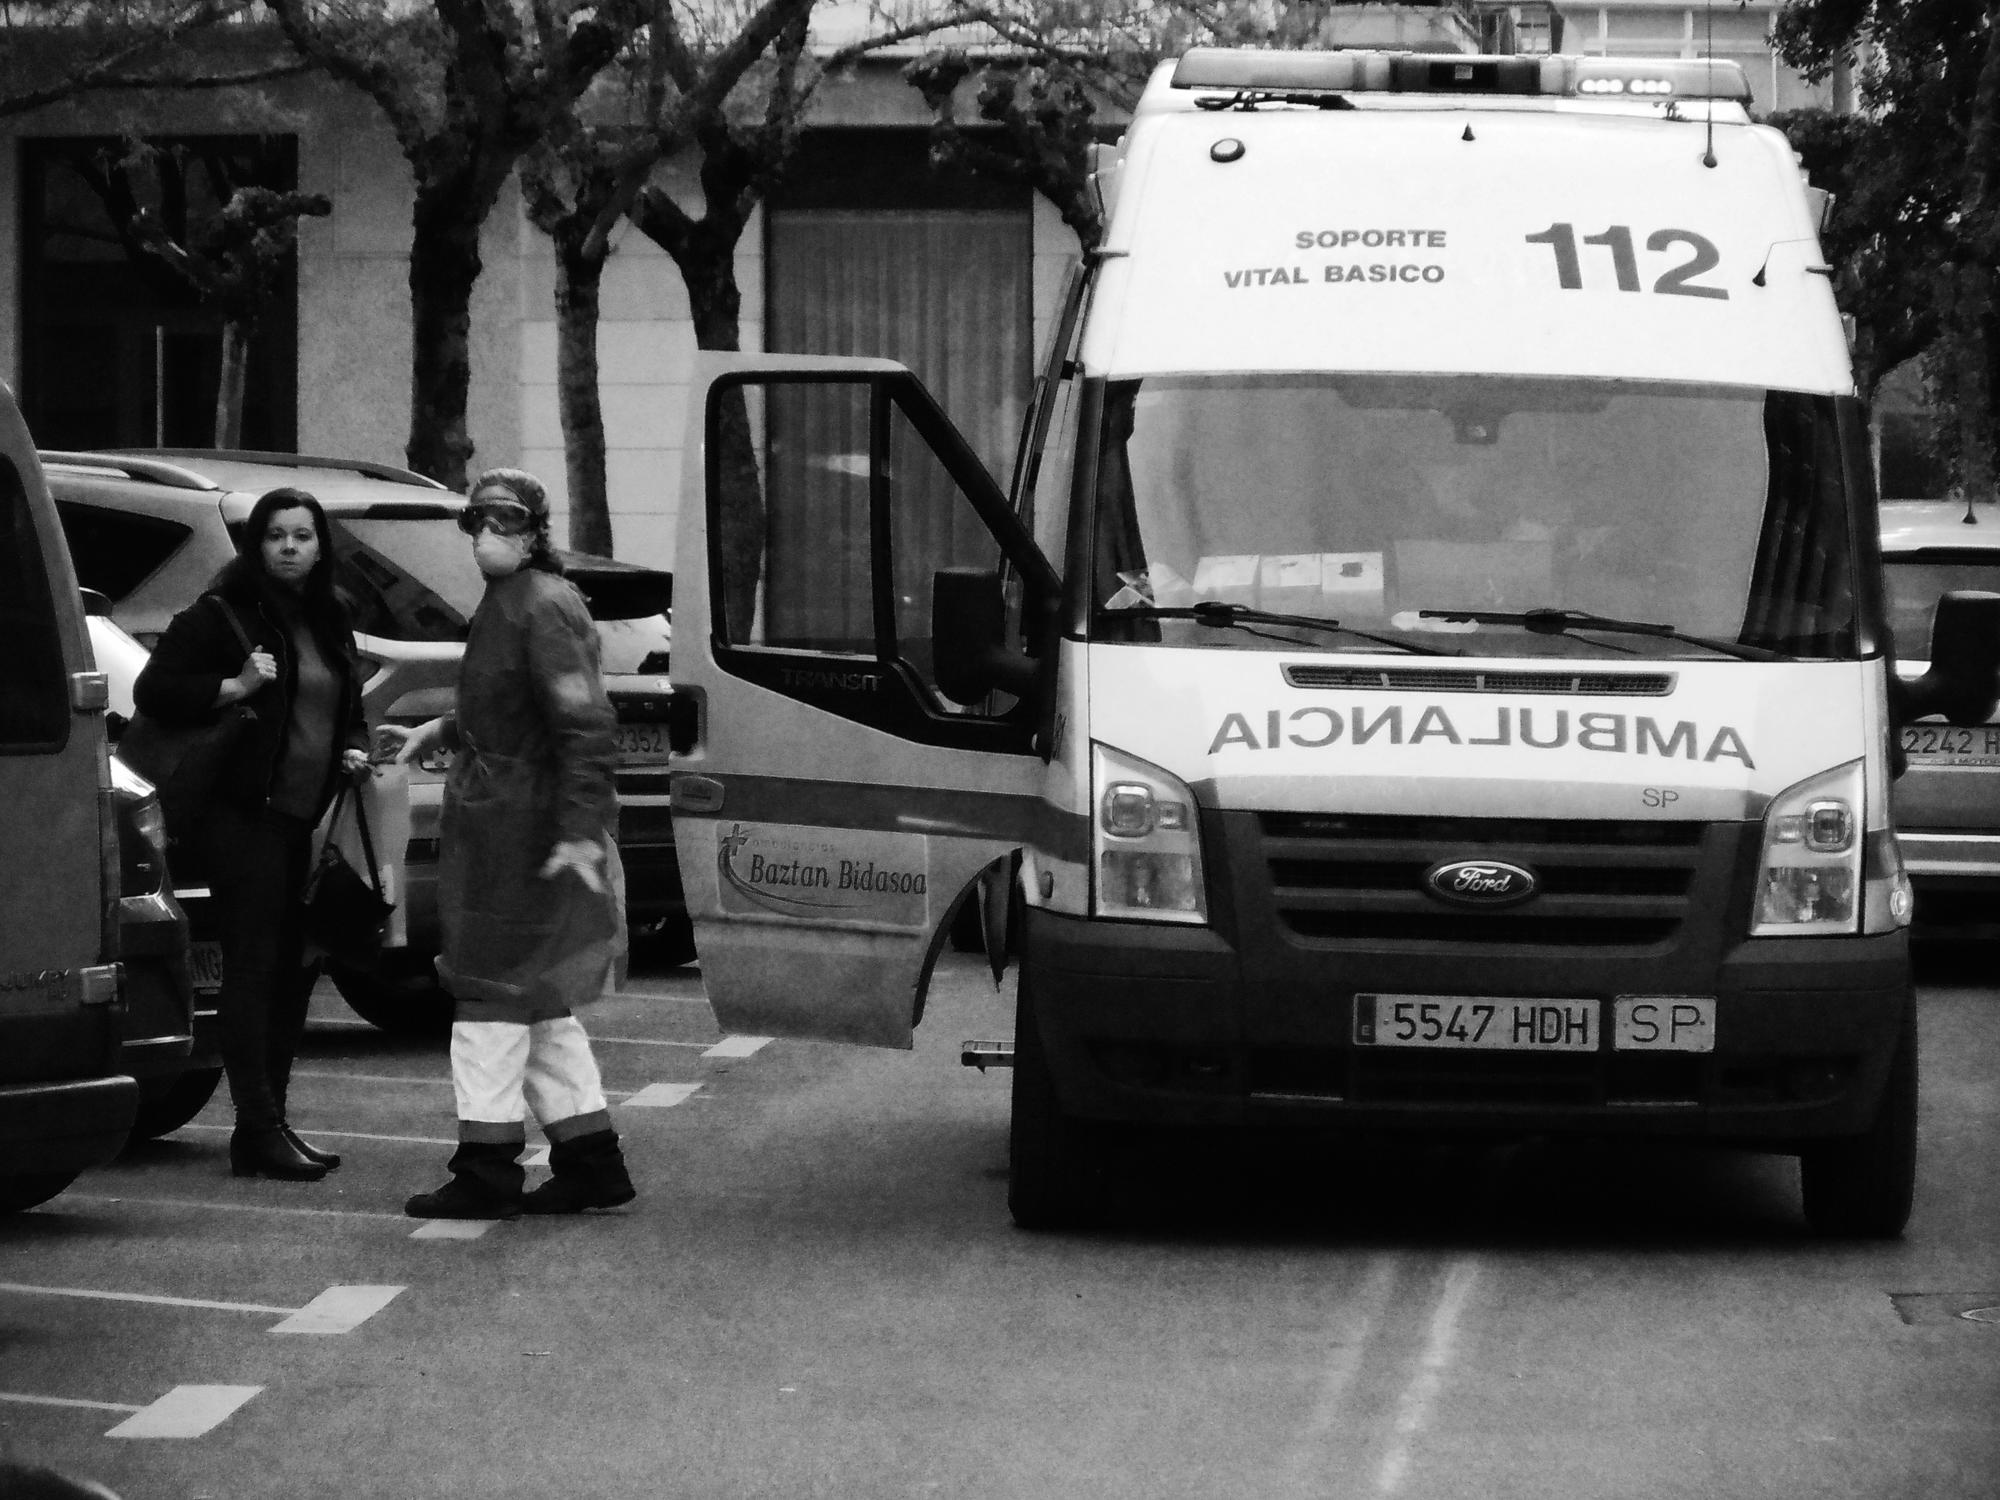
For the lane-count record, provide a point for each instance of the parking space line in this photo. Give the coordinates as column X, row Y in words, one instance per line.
column 1414, row 1408
column 701, row 1000
column 737, row 1046
column 339, row 1309
column 439, row 1080
column 27, row 1400
column 642, row 1041
column 662, row 1095
column 451, row 1229
column 186, row 1411
column 250, row 1208
column 99, row 1295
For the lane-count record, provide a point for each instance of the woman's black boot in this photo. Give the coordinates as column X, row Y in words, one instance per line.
column 268, row 1153
column 305, row 1148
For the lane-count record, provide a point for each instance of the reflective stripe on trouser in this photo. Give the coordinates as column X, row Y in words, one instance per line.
column 500, row 1070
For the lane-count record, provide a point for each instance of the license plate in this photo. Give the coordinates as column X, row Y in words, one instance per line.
column 1948, row 745
column 1475, row 1022
column 205, row 966
column 642, row 742
column 1663, row 1023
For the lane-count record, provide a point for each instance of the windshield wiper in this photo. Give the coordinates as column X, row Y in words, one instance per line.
column 1562, row 621
column 1218, row 615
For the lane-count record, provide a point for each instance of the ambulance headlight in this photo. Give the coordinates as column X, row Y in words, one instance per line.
column 1146, row 850
column 1809, row 877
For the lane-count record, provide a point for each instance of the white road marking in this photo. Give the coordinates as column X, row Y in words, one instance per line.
column 539, row 1157
column 662, row 1095
column 27, row 1400
column 353, row 1135
column 434, row 1080
column 642, row 1041
column 451, row 1229
column 339, row 1309
column 246, row 1208
column 1359, row 1315
column 96, row 1294
column 701, row 1000
column 186, row 1411
column 1414, row 1409
column 737, row 1046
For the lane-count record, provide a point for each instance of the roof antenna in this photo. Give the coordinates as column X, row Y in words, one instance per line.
column 1708, row 18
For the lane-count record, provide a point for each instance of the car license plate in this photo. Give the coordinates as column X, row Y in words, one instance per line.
column 1663, row 1023
column 1948, row 745
column 1475, row 1022
column 205, row 966
column 642, row 742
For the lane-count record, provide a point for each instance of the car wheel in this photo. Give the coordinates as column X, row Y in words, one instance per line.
column 1055, row 1175
column 30, row 1188
column 180, row 1102
column 967, row 936
column 665, row 944
column 402, row 996
column 1861, row 1187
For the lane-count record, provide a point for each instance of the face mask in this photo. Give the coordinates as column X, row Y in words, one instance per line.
column 498, row 555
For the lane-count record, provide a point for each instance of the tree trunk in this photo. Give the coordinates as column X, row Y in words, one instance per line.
column 229, row 388
column 579, row 275
column 444, row 265
column 708, row 267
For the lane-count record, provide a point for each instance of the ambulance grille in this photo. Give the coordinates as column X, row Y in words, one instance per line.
column 1339, row 878
column 1456, row 680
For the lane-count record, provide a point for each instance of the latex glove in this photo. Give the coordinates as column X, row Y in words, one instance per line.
column 579, row 855
column 355, row 763
column 403, row 744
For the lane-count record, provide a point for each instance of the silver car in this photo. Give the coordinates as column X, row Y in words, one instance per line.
column 1947, row 804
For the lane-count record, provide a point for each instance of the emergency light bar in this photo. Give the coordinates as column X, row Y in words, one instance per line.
column 1250, row 71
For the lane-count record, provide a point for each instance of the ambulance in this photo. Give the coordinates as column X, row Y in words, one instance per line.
column 1426, row 672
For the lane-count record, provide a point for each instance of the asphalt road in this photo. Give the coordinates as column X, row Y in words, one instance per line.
column 818, row 1293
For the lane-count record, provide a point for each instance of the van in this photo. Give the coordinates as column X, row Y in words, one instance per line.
column 1428, row 669
column 64, row 1104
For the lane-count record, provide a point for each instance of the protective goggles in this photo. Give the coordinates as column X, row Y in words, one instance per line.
column 502, row 517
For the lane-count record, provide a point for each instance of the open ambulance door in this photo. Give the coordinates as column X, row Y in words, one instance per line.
column 856, row 622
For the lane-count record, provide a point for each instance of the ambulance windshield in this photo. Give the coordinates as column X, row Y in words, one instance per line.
column 1382, row 501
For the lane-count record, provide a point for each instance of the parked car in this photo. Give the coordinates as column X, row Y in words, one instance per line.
column 150, row 529
column 171, row 1036
column 65, row 1102
column 1947, row 804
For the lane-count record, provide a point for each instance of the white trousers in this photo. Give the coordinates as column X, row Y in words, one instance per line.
column 500, row 1070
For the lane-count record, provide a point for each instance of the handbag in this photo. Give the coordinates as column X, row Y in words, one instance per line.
column 345, row 912
column 184, row 762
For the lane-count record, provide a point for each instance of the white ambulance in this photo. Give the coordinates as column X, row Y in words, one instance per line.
column 1430, row 661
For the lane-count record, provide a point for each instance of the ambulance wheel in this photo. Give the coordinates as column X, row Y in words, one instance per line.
column 401, row 997
column 27, row 1189
column 1861, row 1187
column 183, row 1099
column 1053, row 1177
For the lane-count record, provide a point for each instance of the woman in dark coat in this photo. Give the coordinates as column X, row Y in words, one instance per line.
column 253, row 839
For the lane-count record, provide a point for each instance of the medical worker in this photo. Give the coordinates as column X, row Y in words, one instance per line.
column 530, row 892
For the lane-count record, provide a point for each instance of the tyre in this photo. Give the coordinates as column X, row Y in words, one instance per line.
column 966, row 934
column 31, row 1188
column 1860, row 1187
column 402, row 996
column 1054, row 1175
column 182, row 1100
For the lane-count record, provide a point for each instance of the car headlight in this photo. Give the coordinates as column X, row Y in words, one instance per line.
column 1145, row 843
column 1809, row 875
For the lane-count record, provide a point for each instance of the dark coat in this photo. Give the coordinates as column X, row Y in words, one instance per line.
column 199, row 651
column 536, row 750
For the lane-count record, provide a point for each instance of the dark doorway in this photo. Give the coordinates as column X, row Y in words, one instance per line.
column 118, row 351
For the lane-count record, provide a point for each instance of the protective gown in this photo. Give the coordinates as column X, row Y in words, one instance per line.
column 534, row 734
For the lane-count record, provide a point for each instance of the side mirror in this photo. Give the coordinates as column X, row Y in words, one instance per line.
column 1963, row 682
column 969, row 638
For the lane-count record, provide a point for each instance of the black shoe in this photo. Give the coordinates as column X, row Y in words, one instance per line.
column 269, row 1153
column 461, row 1198
column 305, row 1148
column 587, row 1172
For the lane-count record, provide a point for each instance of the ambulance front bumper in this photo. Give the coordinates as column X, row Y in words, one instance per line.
column 1165, row 1025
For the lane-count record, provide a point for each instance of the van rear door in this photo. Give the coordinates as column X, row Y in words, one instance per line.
column 837, row 803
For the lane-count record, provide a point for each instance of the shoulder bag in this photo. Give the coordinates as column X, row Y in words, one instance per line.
column 184, row 762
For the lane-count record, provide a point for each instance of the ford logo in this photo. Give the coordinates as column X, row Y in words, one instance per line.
column 1479, row 882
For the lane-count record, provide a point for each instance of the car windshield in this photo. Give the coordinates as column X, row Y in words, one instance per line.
column 1390, row 502
column 1916, row 580
column 406, row 579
